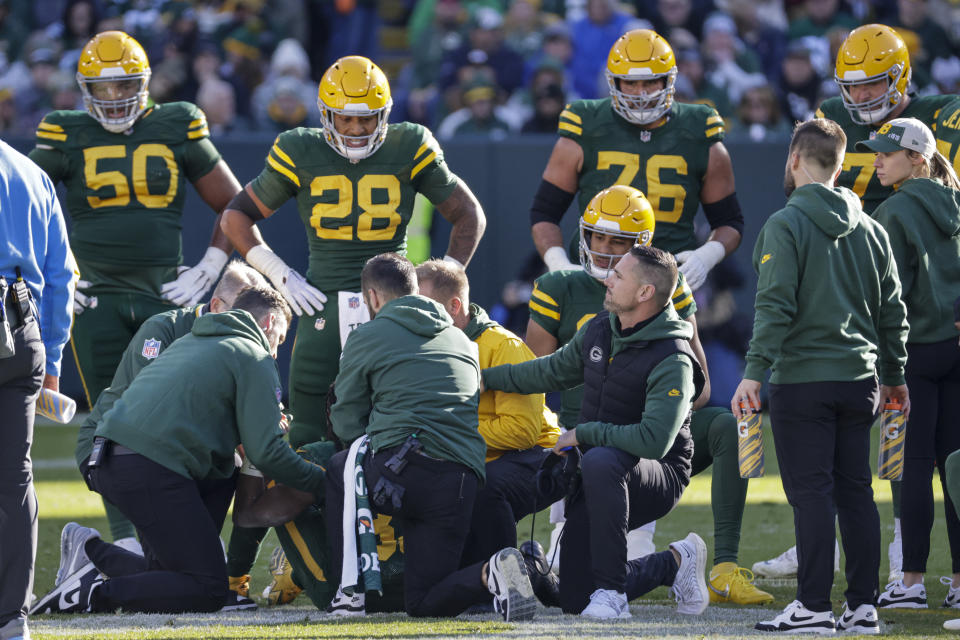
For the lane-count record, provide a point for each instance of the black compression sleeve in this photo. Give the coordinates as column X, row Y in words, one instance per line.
column 243, row 203
column 549, row 204
column 725, row 213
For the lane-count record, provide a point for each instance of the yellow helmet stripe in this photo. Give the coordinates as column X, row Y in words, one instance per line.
column 540, row 295
column 50, row 127
column 423, row 163
column 570, row 115
column 544, row 311
column 51, row 136
column 283, row 156
column 283, row 170
column 572, row 128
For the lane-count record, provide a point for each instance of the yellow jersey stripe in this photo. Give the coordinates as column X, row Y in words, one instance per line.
column 714, row 120
column 819, row 114
column 714, row 131
column 282, row 169
column 199, row 122
column 683, row 303
column 198, row 133
column 46, row 126
column 570, row 115
column 542, row 297
column 423, row 147
column 417, row 169
column 283, row 156
column 52, row 136
column 572, row 128
column 301, row 546
column 544, row 311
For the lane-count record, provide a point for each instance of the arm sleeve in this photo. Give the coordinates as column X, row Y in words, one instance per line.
column 670, row 394
column 430, row 174
column 683, row 302
column 775, row 261
column 52, row 161
column 515, row 423
column 59, row 281
column 562, row 369
column 351, row 413
column 258, row 421
column 199, row 158
column 899, row 246
column 279, row 181
column 892, row 327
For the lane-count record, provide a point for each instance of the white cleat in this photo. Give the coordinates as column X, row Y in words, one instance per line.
column 348, row 605
column 72, row 553
column 862, row 620
column 509, row 583
column 607, row 604
column 952, row 601
column 690, row 586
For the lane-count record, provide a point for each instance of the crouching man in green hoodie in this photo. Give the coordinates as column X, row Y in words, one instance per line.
column 164, row 455
column 828, row 321
column 640, row 379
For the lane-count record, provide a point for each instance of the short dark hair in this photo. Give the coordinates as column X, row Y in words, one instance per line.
column 390, row 274
column 820, row 140
column 447, row 280
column 261, row 302
column 659, row 268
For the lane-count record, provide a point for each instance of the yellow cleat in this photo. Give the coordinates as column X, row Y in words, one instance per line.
column 282, row 590
column 730, row 583
column 241, row 585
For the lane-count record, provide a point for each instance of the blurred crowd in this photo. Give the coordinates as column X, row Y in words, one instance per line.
column 470, row 67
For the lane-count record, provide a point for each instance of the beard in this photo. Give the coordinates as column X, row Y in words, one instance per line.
column 789, row 184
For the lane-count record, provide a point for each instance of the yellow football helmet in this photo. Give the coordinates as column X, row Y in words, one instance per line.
column 871, row 53
column 114, row 57
column 620, row 211
column 641, row 54
column 354, row 86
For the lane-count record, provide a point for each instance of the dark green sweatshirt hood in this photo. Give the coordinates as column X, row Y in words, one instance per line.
column 479, row 322
column 230, row 323
column 666, row 324
column 939, row 201
column 835, row 210
column 417, row 314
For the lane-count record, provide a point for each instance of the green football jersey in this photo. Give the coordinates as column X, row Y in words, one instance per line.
column 858, row 172
column 125, row 191
column 947, row 130
column 667, row 163
column 563, row 301
column 353, row 210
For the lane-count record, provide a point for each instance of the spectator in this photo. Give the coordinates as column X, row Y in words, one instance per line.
column 931, row 38
column 548, row 102
column 557, row 47
column 438, row 41
column 523, row 28
column 78, row 25
column 819, row 16
column 64, row 93
column 217, row 99
column 485, row 47
column 287, row 108
column 730, row 64
column 592, row 37
column 354, row 29
column 521, row 105
column 679, row 14
column 8, row 112
column 478, row 117
column 758, row 116
column 289, row 67
column 34, row 101
column 799, row 84
column 692, row 80
column 13, row 34
column 762, row 28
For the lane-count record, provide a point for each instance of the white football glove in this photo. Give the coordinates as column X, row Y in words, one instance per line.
column 556, row 260
column 194, row 282
column 302, row 297
column 83, row 302
column 696, row 264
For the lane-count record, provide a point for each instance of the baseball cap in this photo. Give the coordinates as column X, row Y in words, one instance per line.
column 901, row 133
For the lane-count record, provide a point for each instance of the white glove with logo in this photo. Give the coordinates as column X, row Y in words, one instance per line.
column 194, row 282
column 83, row 302
column 556, row 260
column 302, row 297
column 696, row 264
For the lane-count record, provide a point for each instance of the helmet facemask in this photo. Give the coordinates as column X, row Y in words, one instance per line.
column 645, row 108
column 339, row 141
column 871, row 111
column 593, row 261
column 115, row 115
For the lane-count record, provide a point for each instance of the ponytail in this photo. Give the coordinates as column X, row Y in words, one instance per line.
column 940, row 169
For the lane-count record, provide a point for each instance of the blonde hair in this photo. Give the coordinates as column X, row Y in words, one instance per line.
column 446, row 279
column 236, row 277
column 938, row 168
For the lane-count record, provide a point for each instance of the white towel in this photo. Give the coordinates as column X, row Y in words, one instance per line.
column 350, row 573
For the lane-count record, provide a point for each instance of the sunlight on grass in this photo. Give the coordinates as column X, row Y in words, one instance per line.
column 66, row 499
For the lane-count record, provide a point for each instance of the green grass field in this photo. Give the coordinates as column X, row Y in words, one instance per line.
column 767, row 531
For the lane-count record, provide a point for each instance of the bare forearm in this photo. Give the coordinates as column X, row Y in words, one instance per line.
column 239, row 230
column 464, row 212
column 728, row 237
column 546, row 235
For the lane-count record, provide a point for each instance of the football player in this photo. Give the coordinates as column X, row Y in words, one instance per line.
column 873, row 73
column 640, row 137
column 125, row 161
column 947, row 131
column 354, row 180
column 562, row 301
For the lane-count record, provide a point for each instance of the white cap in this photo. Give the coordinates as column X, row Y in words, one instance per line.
column 902, row 133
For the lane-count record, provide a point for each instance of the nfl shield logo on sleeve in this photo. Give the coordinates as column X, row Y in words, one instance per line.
column 151, row 348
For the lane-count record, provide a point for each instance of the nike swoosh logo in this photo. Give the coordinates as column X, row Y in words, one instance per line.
column 723, row 594
column 70, row 598
column 794, row 618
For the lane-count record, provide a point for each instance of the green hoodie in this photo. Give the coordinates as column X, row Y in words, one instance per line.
column 923, row 221
column 828, row 297
column 411, row 371
column 665, row 409
column 205, row 394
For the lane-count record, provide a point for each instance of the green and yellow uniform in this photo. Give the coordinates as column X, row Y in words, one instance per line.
column 667, row 163
column 304, row 541
column 352, row 212
column 947, row 131
column 561, row 303
column 858, row 172
column 125, row 196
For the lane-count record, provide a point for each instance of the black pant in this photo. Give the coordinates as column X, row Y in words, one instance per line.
column 620, row 492
column 179, row 522
column 821, row 431
column 509, row 494
column 21, row 376
column 933, row 433
column 434, row 518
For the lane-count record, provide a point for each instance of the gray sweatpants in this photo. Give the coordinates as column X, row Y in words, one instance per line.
column 20, row 379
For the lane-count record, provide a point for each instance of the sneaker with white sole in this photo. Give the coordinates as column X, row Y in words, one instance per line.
column 607, row 604
column 899, row 596
column 796, row 618
column 783, row 566
column 509, row 583
column 952, row 601
column 15, row 629
column 237, row 602
column 862, row 620
column 690, row 586
column 348, row 604
column 895, row 558
column 952, row 625
column 73, row 556
column 73, row 595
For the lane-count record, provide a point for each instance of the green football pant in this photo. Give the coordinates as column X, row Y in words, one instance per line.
column 243, row 549
column 313, row 367
column 714, row 431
